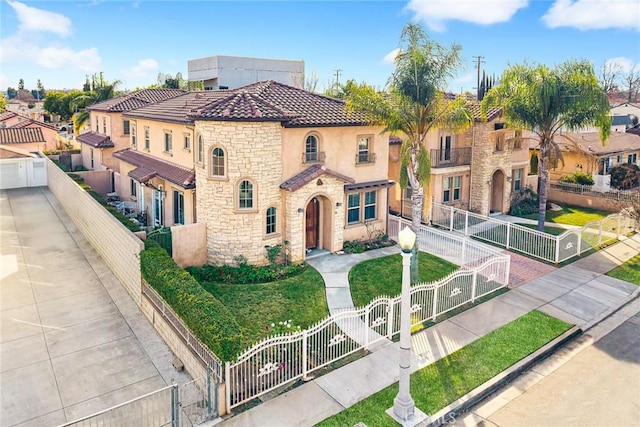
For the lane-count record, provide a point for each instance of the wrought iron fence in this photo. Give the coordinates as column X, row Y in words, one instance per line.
column 528, row 241
column 620, row 195
column 282, row 359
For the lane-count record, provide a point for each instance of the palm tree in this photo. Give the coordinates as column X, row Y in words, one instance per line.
column 100, row 93
column 414, row 104
column 546, row 101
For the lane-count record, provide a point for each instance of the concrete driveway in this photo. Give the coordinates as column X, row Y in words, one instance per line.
column 72, row 342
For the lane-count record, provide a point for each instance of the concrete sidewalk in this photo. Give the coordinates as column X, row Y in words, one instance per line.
column 579, row 293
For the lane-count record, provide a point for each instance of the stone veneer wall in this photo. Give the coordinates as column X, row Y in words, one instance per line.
column 484, row 162
column 119, row 247
column 253, row 150
column 330, row 192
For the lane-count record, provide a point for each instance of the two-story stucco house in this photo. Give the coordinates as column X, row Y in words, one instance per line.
column 271, row 163
column 478, row 169
column 109, row 131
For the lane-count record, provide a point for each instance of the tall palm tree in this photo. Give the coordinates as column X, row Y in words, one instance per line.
column 414, row 104
column 546, row 101
column 100, row 93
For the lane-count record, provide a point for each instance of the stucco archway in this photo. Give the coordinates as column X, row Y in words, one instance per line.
column 318, row 223
column 497, row 192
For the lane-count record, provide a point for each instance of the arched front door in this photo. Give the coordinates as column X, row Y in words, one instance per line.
column 312, row 223
column 497, row 191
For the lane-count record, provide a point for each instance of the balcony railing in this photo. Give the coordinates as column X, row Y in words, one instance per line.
column 450, row 157
column 317, row 157
column 364, row 158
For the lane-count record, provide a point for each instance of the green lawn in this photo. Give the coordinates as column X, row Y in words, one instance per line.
column 441, row 383
column 629, row 271
column 300, row 299
column 554, row 231
column 383, row 276
column 572, row 215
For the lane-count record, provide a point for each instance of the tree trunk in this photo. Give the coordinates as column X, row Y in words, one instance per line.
column 417, row 205
column 543, row 183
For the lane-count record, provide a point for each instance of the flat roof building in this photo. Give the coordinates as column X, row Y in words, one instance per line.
column 230, row 72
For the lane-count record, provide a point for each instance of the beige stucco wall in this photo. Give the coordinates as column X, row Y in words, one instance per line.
column 189, row 244
column 99, row 181
column 178, row 155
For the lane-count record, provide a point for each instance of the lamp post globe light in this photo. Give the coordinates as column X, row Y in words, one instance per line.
column 404, row 410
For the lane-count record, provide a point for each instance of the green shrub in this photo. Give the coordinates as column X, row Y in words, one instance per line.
column 245, row 273
column 353, row 247
column 625, row 176
column 524, row 202
column 581, row 178
column 80, row 168
column 205, row 315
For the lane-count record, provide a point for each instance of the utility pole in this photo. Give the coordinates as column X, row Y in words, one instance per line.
column 479, row 60
column 337, row 74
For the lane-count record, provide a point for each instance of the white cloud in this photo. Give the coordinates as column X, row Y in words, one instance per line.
column 144, row 68
column 435, row 13
column 390, row 58
column 625, row 65
column 594, row 14
column 40, row 20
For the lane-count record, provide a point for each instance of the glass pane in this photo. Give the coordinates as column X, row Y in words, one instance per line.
column 353, row 215
column 354, row 200
column 370, row 198
column 370, row 212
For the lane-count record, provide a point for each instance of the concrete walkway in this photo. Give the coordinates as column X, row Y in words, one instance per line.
column 579, row 293
column 72, row 342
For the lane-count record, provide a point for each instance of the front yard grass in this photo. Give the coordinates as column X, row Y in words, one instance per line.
column 450, row 378
column 629, row 271
column 572, row 215
column 383, row 276
column 300, row 299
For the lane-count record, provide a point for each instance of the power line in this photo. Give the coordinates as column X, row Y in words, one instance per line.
column 479, row 60
column 337, row 74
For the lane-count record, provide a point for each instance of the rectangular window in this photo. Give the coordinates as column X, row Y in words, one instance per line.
column 97, row 125
column 147, row 142
column 456, row 187
column 364, row 154
column 619, row 159
column 134, row 141
column 92, row 158
column 104, row 125
column 187, row 141
column 517, row 142
column 353, row 209
column 517, row 179
column 451, row 188
column 632, row 158
column 178, row 207
column 134, row 188
column 125, row 127
column 369, row 205
column 168, row 143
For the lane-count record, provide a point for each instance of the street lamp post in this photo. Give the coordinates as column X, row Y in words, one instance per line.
column 404, row 410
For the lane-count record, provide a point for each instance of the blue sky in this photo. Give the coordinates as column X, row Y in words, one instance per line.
column 59, row 42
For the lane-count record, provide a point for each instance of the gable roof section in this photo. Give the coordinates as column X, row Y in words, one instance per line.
column 95, row 140
column 135, row 100
column 242, row 106
column 8, row 115
column 309, row 174
column 178, row 109
column 476, row 112
column 149, row 167
column 589, row 142
column 21, row 135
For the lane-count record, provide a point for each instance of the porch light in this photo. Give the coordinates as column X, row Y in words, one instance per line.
column 300, row 210
column 338, row 204
column 407, row 239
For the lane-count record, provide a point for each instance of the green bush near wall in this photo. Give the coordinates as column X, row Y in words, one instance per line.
column 205, row 315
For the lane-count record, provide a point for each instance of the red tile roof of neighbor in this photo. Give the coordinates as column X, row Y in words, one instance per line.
column 309, row 174
column 8, row 115
column 149, row 167
column 136, row 99
column 95, row 140
column 21, row 135
column 476, row 112
column 589, row 142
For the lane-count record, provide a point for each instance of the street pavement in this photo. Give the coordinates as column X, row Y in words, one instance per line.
column 72, row 341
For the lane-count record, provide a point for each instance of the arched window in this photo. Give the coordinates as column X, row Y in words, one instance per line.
column 217, row 162
column 200, row 150
column 271, row 221
column 311, row 149
column 245, row 195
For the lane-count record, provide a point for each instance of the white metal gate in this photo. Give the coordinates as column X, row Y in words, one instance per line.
column 20, row 173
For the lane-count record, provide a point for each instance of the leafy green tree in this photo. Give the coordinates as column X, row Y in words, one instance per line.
column 545, row 100
column 41, row 92
column 11, row 93
column 3, row 103
column 101, row 90
column 414, row 104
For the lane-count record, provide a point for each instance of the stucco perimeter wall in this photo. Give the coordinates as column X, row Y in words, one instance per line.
column 189, row 244
column 99, row 181
column 585, row 201
column 253, row 152
column 119, row 248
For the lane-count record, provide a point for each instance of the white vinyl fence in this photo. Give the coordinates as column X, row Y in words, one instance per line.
column 279, row 360
column 532, row 242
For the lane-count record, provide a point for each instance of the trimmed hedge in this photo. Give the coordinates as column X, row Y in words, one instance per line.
column 205, row 315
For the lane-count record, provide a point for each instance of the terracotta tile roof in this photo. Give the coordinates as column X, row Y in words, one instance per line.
column 301, row 108
column 589, row 142
column 148, row 167
column 137, row 99
column 95, row 140
column 8, row 152
column 243, row 106
column 7, row 115
column 475, row 109
column 21, row 135
column 309, row 174
column 178, row 109
column 394, row 140
column 27, row 122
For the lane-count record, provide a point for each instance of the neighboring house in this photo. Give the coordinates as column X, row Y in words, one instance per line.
column 628, row 109
column 272, row 164
column 30, row 139
column 109, row 131
column 13, row 120
column 584, row 152
column 231, row 72
column 478, row 169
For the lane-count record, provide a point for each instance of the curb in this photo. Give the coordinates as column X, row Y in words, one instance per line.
column 483, row 391
column 610, row 311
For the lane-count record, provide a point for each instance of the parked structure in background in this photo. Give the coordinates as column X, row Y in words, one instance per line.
column 29, row 134
column 477, row 169
column 231, row 72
